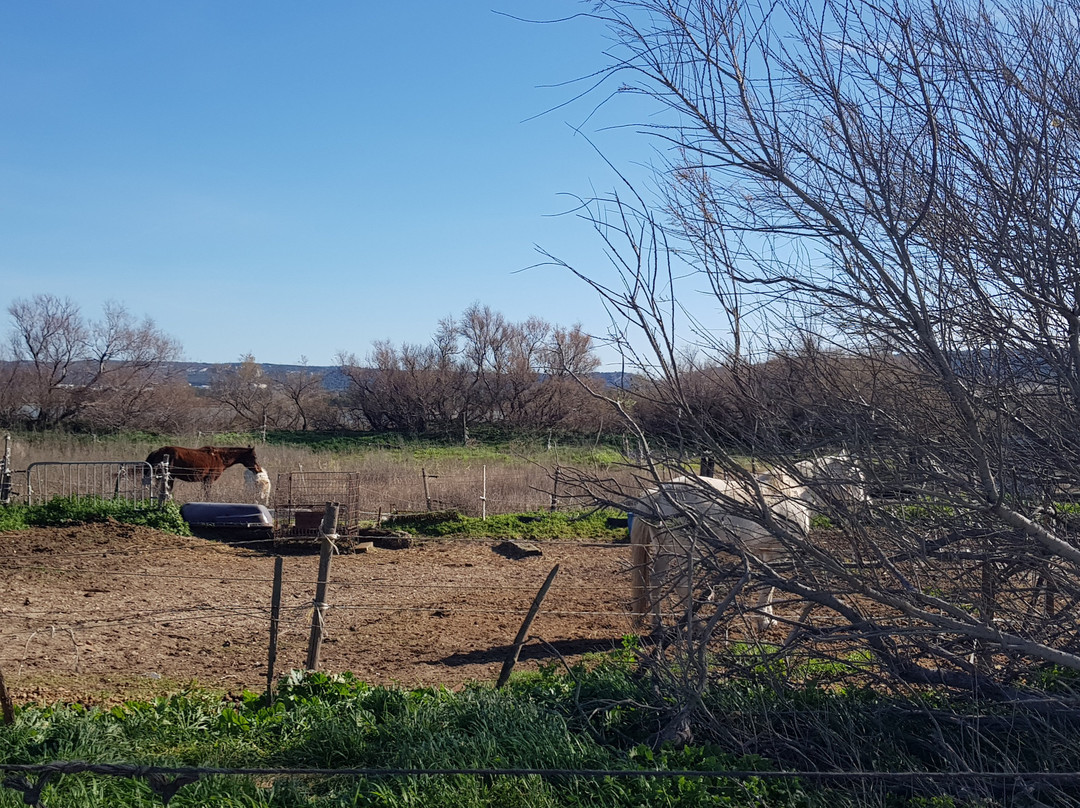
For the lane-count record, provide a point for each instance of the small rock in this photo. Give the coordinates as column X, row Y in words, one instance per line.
column 395, row 542
column 516, row 550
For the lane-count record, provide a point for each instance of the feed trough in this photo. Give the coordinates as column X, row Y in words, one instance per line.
column 228, row 520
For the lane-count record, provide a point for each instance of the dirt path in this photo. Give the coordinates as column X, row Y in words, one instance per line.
column 97, row 612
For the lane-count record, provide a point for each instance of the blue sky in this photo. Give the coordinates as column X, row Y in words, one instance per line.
column 288, row 179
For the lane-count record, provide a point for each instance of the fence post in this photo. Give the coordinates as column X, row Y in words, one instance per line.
column 555, row 491
column 483, row 497
column 275, row 616
column 427, row 494
column 328, row 531
column 5, row 473
column 6, row 706
column 163, row 495
column 708, row 466
column 523, row 632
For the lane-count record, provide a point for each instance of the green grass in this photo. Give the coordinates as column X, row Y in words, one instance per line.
column 484, row 444
column 603, row 525
column 321, row 721
column 599, row 714
column 572, row 525
column 63, row 511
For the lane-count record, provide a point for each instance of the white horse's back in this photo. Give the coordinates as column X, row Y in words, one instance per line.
column 673, row 521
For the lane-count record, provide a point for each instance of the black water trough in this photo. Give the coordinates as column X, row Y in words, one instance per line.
column 231, row 521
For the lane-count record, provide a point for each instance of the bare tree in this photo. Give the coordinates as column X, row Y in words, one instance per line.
column 304, row 392
column 97, row 374
column 247, row 392
column 479, row 369
column 881, row 203
column 131, row 365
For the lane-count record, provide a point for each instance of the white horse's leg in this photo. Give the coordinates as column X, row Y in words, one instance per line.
column 661, row 574
column 764, row 616
column 768, row 551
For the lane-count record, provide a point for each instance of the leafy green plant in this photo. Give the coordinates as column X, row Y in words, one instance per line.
column 13, row 517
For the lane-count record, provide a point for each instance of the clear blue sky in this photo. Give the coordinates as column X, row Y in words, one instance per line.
column 295, row 179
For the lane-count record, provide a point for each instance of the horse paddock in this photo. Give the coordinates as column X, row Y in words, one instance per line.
column 97, row 613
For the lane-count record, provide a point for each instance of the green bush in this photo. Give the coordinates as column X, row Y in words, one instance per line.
column 64, row 511
column 13, row 517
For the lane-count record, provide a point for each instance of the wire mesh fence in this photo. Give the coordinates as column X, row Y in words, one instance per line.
column 119, row 479
column 299, row 498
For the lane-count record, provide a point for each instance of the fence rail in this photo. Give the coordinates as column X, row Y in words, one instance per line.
column 106, row 479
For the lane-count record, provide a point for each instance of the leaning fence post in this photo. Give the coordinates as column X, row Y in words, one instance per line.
column 275, row 616
column 523, row 632
column 328, row 531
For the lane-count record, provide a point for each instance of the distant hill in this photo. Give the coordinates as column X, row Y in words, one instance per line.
column 199, row 374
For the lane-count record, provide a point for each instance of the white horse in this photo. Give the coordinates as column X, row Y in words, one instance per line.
column 831, row 481
column 258, row 486
column 671, row 523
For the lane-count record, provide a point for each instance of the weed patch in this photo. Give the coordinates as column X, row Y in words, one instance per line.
column 63, row 511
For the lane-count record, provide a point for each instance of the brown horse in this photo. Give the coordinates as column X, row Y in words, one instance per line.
column 203, row 465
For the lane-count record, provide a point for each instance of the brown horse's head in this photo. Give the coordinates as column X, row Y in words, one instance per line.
column 246, row 457
column 231, row 455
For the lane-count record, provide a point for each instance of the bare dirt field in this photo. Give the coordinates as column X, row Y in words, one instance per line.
column 96, row 613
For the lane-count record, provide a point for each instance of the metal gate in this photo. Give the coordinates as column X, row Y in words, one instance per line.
column 120, row 479
column 300, row 499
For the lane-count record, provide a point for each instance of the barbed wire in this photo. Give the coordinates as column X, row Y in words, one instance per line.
column 896, row 777
column 182, row 614
column 213, row 545
column 525, row 588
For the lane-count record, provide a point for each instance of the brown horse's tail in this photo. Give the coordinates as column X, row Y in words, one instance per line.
column 641, row 538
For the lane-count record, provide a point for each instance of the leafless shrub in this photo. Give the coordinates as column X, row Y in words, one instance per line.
column 881, row 208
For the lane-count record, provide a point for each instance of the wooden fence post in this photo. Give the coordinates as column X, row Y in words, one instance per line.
column 328, row 530
column 5, row 473
column 6, row 707
column 523, row 632
column 427, row 493
column 555, row 491
column 275, row 616
column 708, row 466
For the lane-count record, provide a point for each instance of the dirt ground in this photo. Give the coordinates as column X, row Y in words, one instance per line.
column 97, row 613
